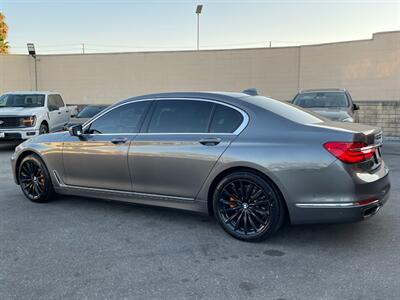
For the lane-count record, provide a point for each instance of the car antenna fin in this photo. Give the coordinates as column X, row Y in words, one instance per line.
column 250, row 92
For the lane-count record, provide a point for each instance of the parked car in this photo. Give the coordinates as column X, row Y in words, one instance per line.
column 73, row 110
column 27, row 114
column 86, row 114
column 251, row 161
column 334, row 104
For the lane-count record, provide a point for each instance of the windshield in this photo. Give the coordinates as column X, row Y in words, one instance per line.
column 90, row 111
column 321, row 99
column 21, row 100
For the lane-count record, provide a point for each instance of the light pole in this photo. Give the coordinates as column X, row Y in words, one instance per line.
column 198, row 12
column 32, row 52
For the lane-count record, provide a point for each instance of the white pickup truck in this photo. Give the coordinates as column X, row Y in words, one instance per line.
column 27, row 114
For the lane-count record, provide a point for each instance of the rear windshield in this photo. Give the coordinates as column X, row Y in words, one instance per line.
column 321, row 99
column 20, row 100
column 286, row 110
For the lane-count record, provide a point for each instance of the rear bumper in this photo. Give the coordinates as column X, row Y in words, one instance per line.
column 18, row 134
column 337, row 212
column 369, row 193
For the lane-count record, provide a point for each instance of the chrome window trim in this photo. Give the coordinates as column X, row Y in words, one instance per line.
column 238, row 130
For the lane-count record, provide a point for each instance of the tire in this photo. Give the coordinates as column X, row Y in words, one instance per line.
column 43, row 129
column 34, row 179
column 248, row 207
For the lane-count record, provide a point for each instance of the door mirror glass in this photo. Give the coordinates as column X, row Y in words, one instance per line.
column 356, row 107
column 76, row 130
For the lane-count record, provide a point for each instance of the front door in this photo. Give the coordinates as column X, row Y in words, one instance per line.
column 56, row 121
column 182, row 143
column 99, row 158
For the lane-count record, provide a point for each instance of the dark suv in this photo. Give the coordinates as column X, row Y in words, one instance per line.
column 334, row 104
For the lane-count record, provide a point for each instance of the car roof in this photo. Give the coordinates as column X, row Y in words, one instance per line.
column 31, row 93
column 322, row 90
column 218, row 96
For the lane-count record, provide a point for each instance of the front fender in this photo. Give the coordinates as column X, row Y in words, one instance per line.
column 48, row 147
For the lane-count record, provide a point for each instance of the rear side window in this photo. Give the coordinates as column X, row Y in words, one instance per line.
column 225, row 120
column 181, row 116
column 124, row 119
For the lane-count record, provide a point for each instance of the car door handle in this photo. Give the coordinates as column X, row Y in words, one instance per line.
column 210, row 141
column 119, row 140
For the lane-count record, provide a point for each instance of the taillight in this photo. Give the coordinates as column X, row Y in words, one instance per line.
column 350, row 152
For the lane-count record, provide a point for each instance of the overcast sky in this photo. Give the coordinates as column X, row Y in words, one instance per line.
column 126, row 25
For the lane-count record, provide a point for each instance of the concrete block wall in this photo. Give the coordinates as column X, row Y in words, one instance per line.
column 385, row 114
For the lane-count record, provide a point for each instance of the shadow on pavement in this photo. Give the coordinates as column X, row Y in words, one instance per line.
column 303, row 236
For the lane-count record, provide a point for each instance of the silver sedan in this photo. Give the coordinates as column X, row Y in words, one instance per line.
column 252, row 162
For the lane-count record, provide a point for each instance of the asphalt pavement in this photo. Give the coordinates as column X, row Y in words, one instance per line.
column 79, row 248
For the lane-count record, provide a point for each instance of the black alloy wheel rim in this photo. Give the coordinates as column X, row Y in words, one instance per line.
column 245, row 207
column 32, row 179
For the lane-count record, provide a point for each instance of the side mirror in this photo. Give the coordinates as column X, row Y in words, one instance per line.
column 356, row 107
column 76, row 130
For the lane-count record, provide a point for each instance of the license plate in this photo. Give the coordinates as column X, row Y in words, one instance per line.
column 378, row 138
column 2, row 135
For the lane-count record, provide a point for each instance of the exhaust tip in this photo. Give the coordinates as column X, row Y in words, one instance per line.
column 370, row 211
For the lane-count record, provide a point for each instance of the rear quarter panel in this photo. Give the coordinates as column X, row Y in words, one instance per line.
column 290, row 154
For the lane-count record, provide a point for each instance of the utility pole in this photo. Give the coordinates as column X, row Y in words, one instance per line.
column 270, row 44
column 83, row 48
column 198, row 12
column 32, row 52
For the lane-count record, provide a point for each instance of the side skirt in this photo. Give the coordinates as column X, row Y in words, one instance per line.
column 130, row 197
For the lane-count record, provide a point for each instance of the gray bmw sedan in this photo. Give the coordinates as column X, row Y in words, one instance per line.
column 251, row 161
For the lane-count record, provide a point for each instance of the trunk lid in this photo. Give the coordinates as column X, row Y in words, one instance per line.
column 361, row 133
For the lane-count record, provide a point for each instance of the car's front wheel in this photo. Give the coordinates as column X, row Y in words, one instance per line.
column 43, row 129
column 248, row 207
column 34, row 179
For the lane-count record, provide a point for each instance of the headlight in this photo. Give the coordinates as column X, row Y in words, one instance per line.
column 349, row 119
column 28, row 121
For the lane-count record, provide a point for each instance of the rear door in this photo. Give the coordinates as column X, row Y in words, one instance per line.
column 183, row 140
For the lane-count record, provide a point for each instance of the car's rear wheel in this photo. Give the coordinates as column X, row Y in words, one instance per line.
column 35, row 180
column 43, row 129
column 248, row 207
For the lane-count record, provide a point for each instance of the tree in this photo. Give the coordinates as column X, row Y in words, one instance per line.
column 3, row 35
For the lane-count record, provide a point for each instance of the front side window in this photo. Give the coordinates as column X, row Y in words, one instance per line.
column 181, row 116
column 124, row 119
column 52, row 103
column 20, row 100
column 59, row 101
column 225, row 120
